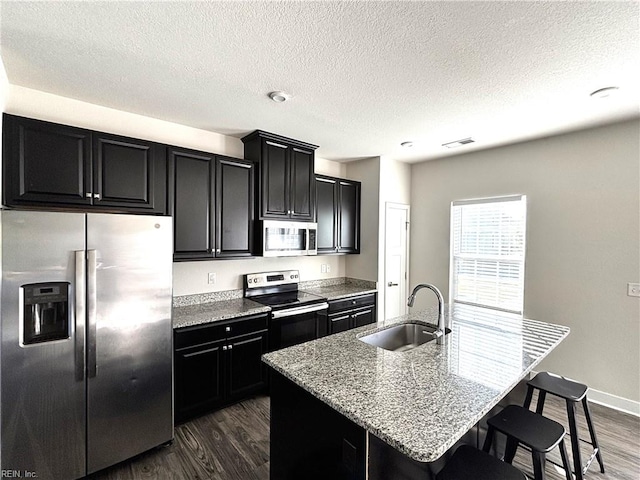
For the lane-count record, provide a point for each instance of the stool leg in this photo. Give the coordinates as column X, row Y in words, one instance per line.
column 565, row 460
column 575, row 440
column 538, row 465
column 527, row 399
column 510, row 450
column 541, row 397
column 592, row 432
column 488, row 439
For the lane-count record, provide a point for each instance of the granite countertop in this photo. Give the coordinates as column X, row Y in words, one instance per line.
column 343, row 290
column 421, row 401
column 190, row 315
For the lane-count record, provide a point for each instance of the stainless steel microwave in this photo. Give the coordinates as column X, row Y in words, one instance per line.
column 288, row 239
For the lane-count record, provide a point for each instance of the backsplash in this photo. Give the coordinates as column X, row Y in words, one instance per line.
column 196, row 299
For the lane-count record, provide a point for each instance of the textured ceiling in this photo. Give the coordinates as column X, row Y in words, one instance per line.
column 364, row 76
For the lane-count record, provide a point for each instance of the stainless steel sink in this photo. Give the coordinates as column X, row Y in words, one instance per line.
column 403, row 337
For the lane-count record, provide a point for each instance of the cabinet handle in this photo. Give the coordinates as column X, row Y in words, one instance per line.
column 218, row 250
column 391, row 284
column 97, row 196
column 224, row 347
column 88, row 194
column 227, row 329
column 230, row 347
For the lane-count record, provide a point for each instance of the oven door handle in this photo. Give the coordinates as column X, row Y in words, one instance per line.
column 299, row 311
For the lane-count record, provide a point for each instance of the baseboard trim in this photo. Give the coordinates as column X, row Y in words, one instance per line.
column 613, row 401
column 610, row 401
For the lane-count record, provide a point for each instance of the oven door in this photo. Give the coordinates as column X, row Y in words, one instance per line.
column 297, row 325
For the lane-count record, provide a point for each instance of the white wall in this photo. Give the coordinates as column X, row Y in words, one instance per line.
column 189, row 277
column 365, row 265
column 583, row 240
column 383, row 180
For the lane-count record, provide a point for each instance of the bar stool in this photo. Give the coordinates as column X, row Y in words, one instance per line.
column 469, row 463
column 572, row 392
column 538, row 433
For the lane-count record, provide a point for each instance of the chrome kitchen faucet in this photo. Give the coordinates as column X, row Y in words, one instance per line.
column 440, row 331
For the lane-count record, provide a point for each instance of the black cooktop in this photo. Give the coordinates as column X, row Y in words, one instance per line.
column 288, row 299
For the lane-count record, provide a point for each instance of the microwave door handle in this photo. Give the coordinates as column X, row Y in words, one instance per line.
column 80, row 312
column 92, row 367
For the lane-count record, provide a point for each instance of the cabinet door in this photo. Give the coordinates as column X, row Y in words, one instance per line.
column 302, row 187
column 339, row 322
column 45, row 164
column 274, row 173
column 234, row 207
column 246, row 372
column 192, row 204
column 349, row 217
column 199, row 379
column 129, row 173
column 327, row 218
column 363, row 317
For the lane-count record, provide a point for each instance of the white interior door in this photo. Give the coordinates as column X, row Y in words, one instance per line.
column 396, row 259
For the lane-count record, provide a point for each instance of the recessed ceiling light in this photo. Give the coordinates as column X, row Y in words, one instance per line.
column 604, row 92
column 279, row 96
column 458, row 143
column 406, row 144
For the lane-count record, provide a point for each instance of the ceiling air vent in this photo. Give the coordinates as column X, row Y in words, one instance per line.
column 458, row 143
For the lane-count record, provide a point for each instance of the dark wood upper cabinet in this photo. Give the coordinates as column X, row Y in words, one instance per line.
column 129, row 173
column 286, row 170
column 193, row 203
column 234, row 207
column 51, row 165
column 338, row 207
column 212, row 205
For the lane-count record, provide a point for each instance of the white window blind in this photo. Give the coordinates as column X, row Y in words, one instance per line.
column 487, row 252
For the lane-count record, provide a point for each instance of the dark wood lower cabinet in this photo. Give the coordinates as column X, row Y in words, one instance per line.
column 218, row 363
column 352, row 312
column 311, row 440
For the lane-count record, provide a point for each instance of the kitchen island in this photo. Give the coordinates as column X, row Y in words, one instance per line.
column 344, row 409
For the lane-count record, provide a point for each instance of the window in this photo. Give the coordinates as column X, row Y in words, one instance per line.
column 487, row 252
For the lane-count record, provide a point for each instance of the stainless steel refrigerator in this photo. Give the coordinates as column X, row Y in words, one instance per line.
column 86, row 347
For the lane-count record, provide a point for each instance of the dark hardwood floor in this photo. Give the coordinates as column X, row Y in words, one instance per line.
column 233, row 444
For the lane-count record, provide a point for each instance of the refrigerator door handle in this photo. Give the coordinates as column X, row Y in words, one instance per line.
column 80, row 312
column 91, row 314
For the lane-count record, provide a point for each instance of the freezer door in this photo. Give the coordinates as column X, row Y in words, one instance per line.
column 42, row 366
column 129, row 336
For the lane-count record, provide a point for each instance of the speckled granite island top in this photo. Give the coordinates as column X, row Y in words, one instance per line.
column 421, row 401
column 190, row 315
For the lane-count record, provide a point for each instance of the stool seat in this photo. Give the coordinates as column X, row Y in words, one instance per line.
column 534, row 431
column 523, row 427
column 468, row 463
column 573, row 393
column 559, row 386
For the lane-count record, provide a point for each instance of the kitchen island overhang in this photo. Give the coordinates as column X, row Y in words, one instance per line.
column 422, row 401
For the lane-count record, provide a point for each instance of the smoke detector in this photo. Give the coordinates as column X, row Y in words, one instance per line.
column 279, row 96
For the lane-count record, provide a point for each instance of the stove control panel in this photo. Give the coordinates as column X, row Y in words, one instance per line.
column 267, row 279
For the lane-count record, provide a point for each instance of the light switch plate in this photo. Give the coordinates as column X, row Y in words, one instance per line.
column 212, row 278
column 633, row 289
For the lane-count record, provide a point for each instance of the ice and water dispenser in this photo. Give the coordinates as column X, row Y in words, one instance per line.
column 45, row 309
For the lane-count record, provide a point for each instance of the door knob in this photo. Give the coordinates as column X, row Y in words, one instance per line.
column 391, row 284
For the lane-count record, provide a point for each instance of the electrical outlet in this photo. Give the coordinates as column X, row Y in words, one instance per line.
column 328, row 268
column 323, row 268
column 633, row 289
column 212, row 278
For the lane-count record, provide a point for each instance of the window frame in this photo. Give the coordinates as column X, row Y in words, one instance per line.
column 485, row 257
